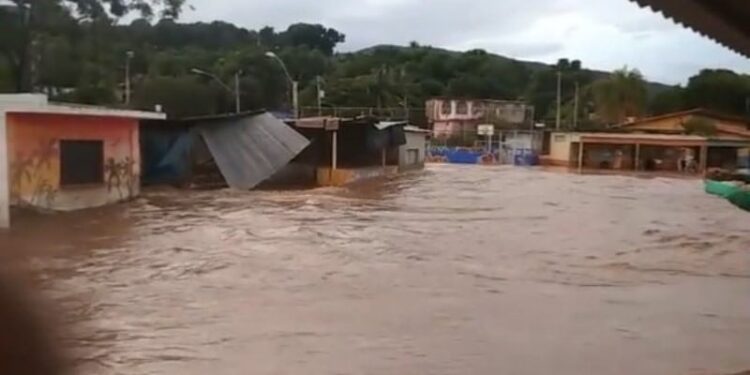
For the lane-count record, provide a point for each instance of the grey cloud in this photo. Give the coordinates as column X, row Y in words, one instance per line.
column 500, row 26
column 521, row 50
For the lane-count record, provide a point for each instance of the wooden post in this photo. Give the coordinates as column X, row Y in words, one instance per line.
column 382, row 153
column 703, row 159
column 637, row 157
column 334, row 150
column 580, row 156
column 4, row 173
column 334, row 156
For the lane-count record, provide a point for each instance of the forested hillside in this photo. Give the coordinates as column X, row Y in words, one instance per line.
column 81, row 57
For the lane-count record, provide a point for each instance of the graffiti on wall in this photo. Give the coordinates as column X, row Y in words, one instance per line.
column 35, row 160
column 34, row 176
column 120, row 176
column 31, row 175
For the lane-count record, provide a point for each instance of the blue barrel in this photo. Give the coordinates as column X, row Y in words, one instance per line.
column 464, row 156
column 525, row 157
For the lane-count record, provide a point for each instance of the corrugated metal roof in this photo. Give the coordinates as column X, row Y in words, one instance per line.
column 724, row 21
column 415, row 129
column 249, row 150
column 387, row 124
column 221, row 116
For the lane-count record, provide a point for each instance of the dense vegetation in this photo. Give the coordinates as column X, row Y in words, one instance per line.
column 76, row 51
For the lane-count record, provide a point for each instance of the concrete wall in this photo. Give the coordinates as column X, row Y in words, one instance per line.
column 444, row 129
column 34, row 160
column 8, row 101
column 345, row 176
column 560, row 146
column 414, row 141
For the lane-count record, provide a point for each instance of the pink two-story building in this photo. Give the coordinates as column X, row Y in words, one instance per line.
column 454, row 116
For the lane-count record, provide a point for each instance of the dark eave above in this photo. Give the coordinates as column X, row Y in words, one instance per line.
column 724, row 21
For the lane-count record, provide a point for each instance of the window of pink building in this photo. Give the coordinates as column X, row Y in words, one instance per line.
column 462, row 108
column 445, row 108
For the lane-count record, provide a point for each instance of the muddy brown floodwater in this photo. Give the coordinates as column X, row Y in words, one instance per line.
column 454, row 270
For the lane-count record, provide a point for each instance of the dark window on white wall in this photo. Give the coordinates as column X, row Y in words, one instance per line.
column 81, row 162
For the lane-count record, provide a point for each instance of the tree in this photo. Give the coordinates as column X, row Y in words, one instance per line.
column 541, row 89
column 700, row 126
column 312, row 36
column 667, row 101
column 179, row 97
column 719, row 90
column 29, row 20
column 620, row 96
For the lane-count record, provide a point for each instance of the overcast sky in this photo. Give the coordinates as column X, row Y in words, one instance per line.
column 604, row 34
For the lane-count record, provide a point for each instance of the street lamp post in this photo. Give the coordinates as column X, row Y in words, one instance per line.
column 128, row 56
column 294, row 84
column 235, row 91
column 558, row 118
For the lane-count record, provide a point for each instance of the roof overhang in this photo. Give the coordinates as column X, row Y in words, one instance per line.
column 643, row 139
column 724, row 21
column 39, row 104
column 87, row 111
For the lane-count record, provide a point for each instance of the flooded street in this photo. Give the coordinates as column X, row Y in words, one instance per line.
column 454, row 270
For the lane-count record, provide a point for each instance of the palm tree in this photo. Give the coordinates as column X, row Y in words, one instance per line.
column 620, row 96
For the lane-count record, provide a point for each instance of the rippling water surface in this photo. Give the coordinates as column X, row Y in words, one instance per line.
column 454, row 270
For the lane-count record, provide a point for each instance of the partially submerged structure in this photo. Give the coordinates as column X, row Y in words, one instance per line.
column 237, row 150
column 346, row 150
column 66, row 157
column 413, row 153
column 662, row 143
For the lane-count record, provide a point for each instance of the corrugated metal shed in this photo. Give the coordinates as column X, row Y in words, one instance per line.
column 251, row 149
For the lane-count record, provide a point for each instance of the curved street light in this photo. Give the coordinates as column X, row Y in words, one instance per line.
column 295, row 84
column 235, row 91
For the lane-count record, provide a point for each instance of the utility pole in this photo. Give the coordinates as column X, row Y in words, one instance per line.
column 575, row 107
column 321, row 94
column 559, row 100
column 128, row 56
column 295, row 84
column 295, row 98
column 406, row 95
column 533, row 115
column 237, row 104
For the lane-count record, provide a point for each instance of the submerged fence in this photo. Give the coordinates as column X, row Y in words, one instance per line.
column 465, row 155
column 516, row 147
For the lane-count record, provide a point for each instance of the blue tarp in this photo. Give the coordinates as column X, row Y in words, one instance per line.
column 166, row 155
column 460, row 155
